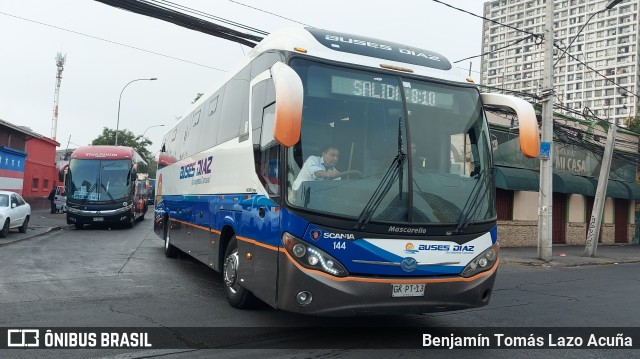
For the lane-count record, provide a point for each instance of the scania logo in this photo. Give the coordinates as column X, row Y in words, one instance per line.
column 315, row 234
column 409, row 264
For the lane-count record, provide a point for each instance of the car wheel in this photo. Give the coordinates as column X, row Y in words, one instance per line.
column 169, row 250
column 25, row 224
column 79, row 226
column 5, row 229
column 237, row 296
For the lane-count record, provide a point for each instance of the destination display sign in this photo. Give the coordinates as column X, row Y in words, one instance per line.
column 415, row 93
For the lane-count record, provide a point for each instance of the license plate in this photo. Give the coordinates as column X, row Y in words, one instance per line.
column 407, row 290
column 98, row 219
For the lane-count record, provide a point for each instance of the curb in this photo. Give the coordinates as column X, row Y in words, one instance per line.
column 552, row 264
column 48, row 230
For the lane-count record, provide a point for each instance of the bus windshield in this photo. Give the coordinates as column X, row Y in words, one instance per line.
column 100, row 180
column 407, row 150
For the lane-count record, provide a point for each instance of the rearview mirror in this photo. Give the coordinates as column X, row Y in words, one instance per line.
column 289, row 97
column 528, row 123
column 13, row 205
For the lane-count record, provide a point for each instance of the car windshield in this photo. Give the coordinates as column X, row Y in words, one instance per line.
column 358, row 123
column 99, row 180
column 4, row 200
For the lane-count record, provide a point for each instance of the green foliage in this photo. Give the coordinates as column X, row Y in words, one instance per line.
column 153, row 167
column 634, row 123
column 125, row 138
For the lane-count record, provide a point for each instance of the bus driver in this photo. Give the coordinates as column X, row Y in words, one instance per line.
column 319, row 167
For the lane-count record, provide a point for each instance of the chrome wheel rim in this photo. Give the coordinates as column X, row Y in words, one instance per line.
column 230, row 273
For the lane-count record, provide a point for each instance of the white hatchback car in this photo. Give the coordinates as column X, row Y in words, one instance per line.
column 14, row 213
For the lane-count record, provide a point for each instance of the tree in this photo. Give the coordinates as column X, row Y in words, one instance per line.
column 125, row 138
column 153, row 167
column 633, row 123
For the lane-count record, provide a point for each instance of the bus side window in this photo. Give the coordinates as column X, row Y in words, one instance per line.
column 268, row 154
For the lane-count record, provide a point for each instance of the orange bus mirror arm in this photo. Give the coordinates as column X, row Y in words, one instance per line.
column 289, row 98
column 527, row 121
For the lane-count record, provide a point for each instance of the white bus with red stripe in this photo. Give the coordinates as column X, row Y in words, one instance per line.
column 106, row 185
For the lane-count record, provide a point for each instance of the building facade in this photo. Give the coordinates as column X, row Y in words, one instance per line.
column 27, row 163
column 40, row 175
column 577, row 159
column 607, row 44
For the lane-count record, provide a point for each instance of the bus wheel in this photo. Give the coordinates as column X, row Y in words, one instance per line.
column 25, row 224
column 237, row 296
column 131, row 220
column 169, row 250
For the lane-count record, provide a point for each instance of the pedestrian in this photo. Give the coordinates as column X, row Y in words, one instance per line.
column 52, row 199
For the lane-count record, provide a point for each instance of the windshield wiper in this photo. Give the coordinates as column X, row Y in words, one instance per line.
column 390, row 177
column 476, row 197
column 106, row 191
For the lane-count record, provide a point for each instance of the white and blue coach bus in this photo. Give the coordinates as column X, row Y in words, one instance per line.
column 406, row 223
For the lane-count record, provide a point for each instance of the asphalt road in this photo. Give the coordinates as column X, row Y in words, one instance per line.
column 101, row 277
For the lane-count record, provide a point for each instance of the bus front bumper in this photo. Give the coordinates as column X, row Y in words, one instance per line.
column 360, row 295
column 121, row 215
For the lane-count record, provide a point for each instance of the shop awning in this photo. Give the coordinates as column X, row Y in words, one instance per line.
column 568, row 183
column 615, row 189
column 521, row 179
column 634, row 188
column 517, row 179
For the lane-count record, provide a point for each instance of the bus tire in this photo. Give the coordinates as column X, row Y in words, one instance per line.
column 25, row 224
column 170, row 251
column 5, row 229
column 132, row 219
column 237, row 296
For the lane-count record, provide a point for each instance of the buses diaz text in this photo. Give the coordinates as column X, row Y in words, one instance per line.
column 199, row 168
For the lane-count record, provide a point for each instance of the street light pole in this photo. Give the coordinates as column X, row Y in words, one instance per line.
column 145, row 131
column 120, row 99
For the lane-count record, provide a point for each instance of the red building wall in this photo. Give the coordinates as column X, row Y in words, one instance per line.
column 40, row 173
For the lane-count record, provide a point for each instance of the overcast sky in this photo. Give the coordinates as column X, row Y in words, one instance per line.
column 132, row 46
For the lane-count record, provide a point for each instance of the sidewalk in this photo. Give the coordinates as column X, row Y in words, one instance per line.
column 571, row 256
column 41, row 222
column 562, row 256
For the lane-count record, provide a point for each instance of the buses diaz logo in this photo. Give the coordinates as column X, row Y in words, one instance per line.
column 199, row 168
column 410, row 248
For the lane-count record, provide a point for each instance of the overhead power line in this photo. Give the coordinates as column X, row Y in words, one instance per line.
column 181, row 19
column 111, row 41
column 207, row 15
column 270, row 13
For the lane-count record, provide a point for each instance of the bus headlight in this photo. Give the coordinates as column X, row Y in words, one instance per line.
column 481, row 263
column 312, row 257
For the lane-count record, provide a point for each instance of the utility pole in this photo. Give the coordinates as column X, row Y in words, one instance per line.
column 60, row 60
column 545, row 207
column 601, row 192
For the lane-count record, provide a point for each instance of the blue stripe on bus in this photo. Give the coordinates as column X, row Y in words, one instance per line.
column 494, row 234
column 240, row 211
